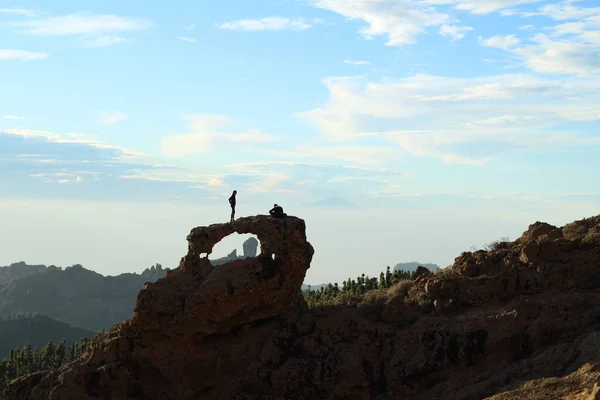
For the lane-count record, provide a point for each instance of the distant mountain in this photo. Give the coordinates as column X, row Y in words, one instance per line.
column 18, row 270
column 75, row 295
column 412, row 266
column 36, row 329
column 333, row 202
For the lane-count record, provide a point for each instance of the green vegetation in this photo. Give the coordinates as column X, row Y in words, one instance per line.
column 36, row 329
column 27, row 359
column 363, row 289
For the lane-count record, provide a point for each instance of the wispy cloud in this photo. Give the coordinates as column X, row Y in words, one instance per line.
column 500, row 42
column 482, row 6
column 268, row 24
column 359, row 62
column 82, row 24
column 186, row 39
column 469, row 121
column 190, row 27
column 18, row 11
column 401, row 21
column 207, row 130
column 13, row 54
column 14, row 117
column 104, row 41
column 71, row 138
column 454, row 31
column 112, row 117
column 269, row 184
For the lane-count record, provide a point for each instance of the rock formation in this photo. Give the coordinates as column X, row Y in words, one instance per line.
column 519, row 321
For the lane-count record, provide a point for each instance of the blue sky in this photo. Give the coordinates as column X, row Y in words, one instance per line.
column 453, row 108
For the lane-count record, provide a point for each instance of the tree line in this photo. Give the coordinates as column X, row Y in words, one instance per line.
column 27, row 360
column 354, row 288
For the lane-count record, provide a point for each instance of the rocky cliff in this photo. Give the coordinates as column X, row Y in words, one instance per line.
column 519, row 321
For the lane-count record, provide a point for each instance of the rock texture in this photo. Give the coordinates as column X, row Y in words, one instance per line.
column 519, row 321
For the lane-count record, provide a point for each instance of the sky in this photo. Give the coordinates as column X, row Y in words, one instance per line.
column 445, row 124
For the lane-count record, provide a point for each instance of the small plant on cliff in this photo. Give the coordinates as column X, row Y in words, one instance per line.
column 501, row 243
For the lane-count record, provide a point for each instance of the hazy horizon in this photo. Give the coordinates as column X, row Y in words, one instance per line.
column 112, row 238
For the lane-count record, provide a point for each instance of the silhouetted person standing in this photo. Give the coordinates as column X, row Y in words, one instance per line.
column 232, row 204
column 277, row 212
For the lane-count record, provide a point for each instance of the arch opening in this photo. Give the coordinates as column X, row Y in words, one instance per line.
column 235, row 247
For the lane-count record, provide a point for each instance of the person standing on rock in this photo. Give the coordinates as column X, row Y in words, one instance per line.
column 232, row 204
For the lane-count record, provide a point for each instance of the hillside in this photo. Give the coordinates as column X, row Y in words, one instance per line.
column 36, row 330
column 18, row 270
column 75, row 295
column 519, row 321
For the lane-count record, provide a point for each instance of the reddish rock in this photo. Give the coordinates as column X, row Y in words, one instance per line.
column 538, row 230
column 514, row 330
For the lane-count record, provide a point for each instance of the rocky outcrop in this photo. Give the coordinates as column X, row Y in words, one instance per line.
column 496, row 323
column 250, row 246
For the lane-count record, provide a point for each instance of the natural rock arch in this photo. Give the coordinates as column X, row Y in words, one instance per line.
column 210, row 300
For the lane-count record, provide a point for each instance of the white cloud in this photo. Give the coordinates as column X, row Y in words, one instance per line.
column 482, row 6
column 14, row 117
column 186, row 39
column 79, row 138
column 206, row 132
column 564, row 11
column 561, row 57
column 190, row 27
column 112, row 117
column 355, row 154
column 12, row 54
column 18, row 11
column 357, row 62
column 82, row 24
column 455, row 32
column 268, row 24
column 571, row 47
column 200, row 181
column 527, row 28
column 500, row 42
column 401, row 20
column 458, row 120
column 104, row 41
column 266, row 167
column 269, row 184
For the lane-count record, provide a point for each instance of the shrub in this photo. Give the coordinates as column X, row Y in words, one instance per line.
column 378, row 296
column 501, row 243
column 400, row 289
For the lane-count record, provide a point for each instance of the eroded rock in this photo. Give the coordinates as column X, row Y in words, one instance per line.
column 494, row 322
column 196, row 298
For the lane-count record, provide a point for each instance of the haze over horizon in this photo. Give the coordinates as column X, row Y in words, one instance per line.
column 448, row 123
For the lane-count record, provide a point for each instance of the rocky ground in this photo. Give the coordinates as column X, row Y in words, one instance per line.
column 518, row 322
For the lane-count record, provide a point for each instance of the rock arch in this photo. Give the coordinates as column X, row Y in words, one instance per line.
column 195, row 297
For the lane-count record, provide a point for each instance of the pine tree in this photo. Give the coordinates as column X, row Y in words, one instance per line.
column 61, row 352
column 47, row 355
column 388, row 277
